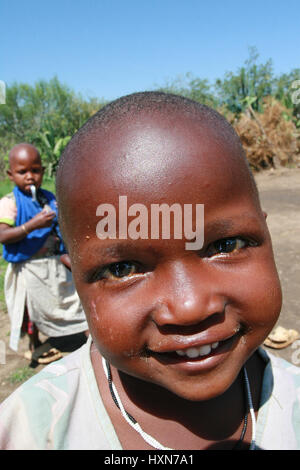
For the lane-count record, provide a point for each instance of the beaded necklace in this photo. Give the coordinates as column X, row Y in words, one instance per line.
column 153, row 442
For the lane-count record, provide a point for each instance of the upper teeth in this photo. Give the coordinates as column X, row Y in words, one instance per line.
column 195, row 352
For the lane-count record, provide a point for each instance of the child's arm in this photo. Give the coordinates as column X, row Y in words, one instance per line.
column 10, row 234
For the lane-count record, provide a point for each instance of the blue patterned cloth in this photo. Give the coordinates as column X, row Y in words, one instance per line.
column 27, row 208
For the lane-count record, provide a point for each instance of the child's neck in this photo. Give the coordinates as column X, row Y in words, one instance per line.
column 180, row 423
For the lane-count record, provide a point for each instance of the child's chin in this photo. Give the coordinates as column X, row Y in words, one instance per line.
column 200, row 392
column 205, row 395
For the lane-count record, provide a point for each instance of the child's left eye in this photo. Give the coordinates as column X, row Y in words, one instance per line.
column 227, row 245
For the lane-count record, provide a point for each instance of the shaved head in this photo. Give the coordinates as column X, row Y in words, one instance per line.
column 131, row 106
column 22, row 151
column 134, row 144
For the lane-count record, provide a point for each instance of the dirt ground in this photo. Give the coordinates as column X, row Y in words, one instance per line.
column 280, row 198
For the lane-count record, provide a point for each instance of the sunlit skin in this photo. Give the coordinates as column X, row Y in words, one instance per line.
column 145, row 299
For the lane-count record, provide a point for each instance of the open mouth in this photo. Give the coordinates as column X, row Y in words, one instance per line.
column 193, row 354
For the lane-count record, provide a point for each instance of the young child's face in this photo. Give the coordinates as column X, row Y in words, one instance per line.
column 147, row 299
column 26, row 168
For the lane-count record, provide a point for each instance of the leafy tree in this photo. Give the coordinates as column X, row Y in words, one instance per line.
column 195, row 88
column 251, row 80
column 286, row 89
column 46, row 114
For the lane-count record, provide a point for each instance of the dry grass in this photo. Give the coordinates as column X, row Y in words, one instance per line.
column 270, row 138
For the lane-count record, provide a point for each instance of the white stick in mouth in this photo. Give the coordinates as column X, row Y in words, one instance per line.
column 33, row 192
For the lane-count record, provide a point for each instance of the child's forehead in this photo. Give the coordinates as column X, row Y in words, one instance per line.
column 151, row 152
column 23, row 154
column 152, row 137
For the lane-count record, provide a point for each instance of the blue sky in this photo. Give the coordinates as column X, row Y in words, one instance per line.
column 110, row 48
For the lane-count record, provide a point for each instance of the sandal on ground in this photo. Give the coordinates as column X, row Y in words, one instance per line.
column 281, row 338
column 50, row 356
column 28, row 355
column 45, row 354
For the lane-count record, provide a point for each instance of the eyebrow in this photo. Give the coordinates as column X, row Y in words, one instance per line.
column 224, row 227
column 219, row 226
column 118, row 248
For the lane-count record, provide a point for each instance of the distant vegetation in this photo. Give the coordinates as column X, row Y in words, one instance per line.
column 257, row 102
column 45, row 114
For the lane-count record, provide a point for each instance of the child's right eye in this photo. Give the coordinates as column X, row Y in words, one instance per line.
column 118, row 270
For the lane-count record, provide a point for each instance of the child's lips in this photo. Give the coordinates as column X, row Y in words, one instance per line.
column 197, row 352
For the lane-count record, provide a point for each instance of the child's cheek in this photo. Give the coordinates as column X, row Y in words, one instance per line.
column 102, row 331
column 266, row 299
column 115, row 327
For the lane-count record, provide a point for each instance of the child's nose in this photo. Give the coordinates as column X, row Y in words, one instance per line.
column 189, row 302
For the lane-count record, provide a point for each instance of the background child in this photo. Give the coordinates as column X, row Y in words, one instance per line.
column 174, row 358
column 39, row 291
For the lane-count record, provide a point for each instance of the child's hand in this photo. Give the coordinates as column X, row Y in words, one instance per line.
column 41, row 220
column 10, row 234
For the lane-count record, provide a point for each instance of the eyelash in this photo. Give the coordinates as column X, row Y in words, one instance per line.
column 213, row 250
column 106, row 274
column 242, row 243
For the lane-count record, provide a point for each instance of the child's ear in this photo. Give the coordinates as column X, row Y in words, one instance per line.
column 9, row 174
column 65, row 259
column 265, row 214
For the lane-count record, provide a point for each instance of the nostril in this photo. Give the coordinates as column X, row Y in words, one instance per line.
column 184, row 328
column 161, row 315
